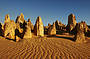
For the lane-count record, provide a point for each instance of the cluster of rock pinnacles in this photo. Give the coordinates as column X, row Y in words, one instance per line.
column 21, row 28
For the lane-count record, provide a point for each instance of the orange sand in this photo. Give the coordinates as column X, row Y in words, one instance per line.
column 59, row 47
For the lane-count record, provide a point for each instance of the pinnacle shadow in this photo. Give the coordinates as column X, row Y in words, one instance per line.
column 11, row 39
column 68, row 38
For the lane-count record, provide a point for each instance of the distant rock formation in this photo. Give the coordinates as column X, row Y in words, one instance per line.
column 39, row 28
column 28, row 33
column 71, row 22
column 59, row 25
column 23, row 29
column 88, row 33
column 20, row 19
column 49, row 24
column 20, row 26
column 85, row 26
column 80, row 36
column 9, row 30
column 1, row 30
column 30, row 24
column 20, row 22
column 45, row 29
column 52, row 30
column 7, row 18
column 20, row 31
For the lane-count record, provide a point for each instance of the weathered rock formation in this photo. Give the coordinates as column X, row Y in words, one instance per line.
column 7, row 18
column 52, row 30
column 88, row 32
column 20, row 26
column 20, row 31
column 20, row 22
column 9, row 29
column 80, row 36
column 17, row 39
column 85, row 26
column 39, row 28
column 28, row 33
column 49, row 24
column 1, row 30
column 20, row 19
column 46, row 29
column 59, row 25
column 71, row 22
column 30, row 24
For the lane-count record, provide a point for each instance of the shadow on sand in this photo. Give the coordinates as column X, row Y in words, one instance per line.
column 69, row 38
column 11, row 39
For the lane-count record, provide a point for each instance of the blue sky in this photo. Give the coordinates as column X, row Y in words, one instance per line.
column 49, row 10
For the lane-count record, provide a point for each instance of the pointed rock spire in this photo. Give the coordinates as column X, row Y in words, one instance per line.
column 72, row 19
column 30, row 24
column 20, row 19
column 71, row 22
column 80, row 36
column 20, row 23
column 7, row 18
column 52, row 30
column 39, row 28
column 9, row 29
column 49, row 24
column 28, row 33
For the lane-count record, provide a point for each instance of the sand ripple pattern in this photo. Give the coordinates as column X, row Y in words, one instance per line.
column 44, row 48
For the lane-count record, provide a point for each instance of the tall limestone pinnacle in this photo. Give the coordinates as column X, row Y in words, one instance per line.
column 85, row 26
column 39, row 28
column 71, row 22
column 7, row 18
column 80, row 36
column 28, row 33
column 9, row 29
column 20, row 19
column 20, row 22
column 71, row 19
column 30, row 24
column 22, row 15
column 52, row 30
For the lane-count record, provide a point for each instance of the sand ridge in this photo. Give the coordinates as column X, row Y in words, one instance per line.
column 44, row 48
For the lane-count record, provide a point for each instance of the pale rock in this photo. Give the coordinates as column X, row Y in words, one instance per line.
column 39, row 28
column 52, row 30
column 28, row 33
column 9, row 29
column 7, row 18
column 80, row 36
column 30, row 24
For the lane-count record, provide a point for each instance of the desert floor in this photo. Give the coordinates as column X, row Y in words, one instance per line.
column 56, row 47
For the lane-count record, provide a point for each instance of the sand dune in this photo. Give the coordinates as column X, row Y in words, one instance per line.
column 44, row 48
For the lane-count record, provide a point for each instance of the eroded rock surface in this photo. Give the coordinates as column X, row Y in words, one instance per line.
column 39, row 28
column 71, row 22
column 9, row 29
column 52, row 30
column 80, row 36
column 28, row 33
column 30, row 24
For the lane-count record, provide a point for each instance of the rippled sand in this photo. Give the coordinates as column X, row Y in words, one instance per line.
column 60, row 47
